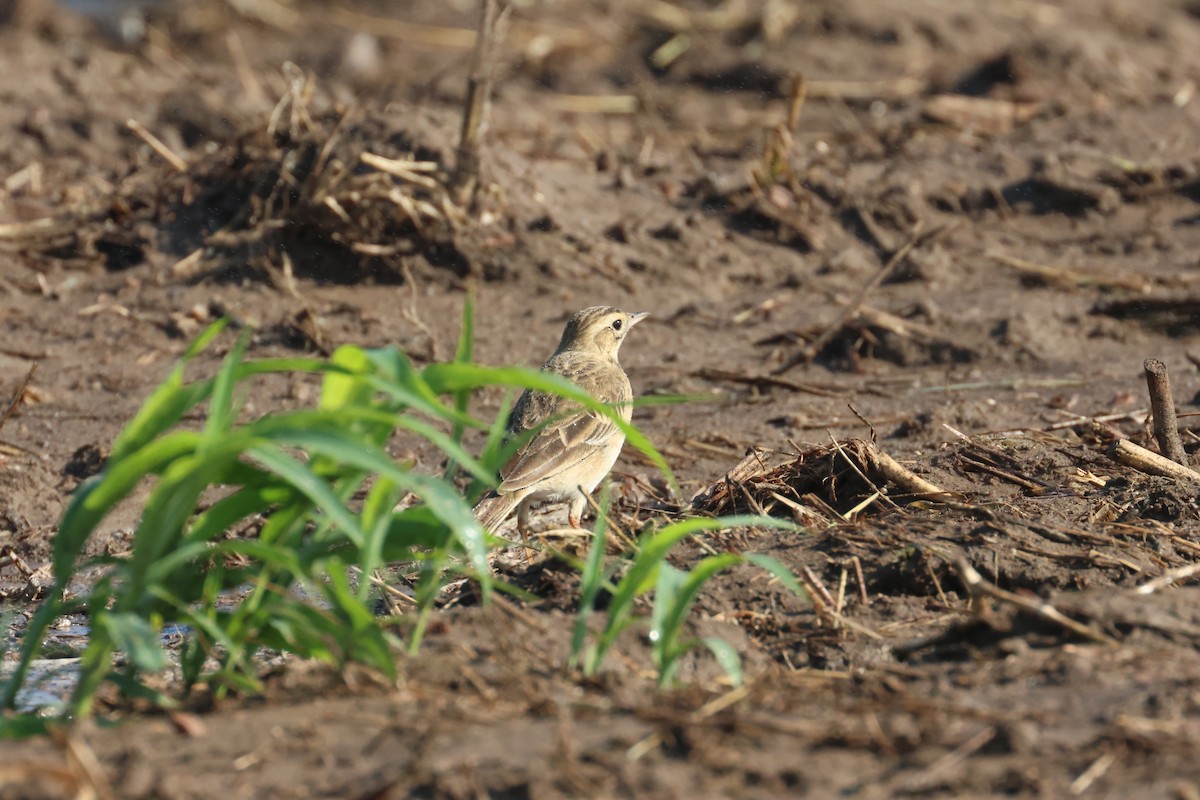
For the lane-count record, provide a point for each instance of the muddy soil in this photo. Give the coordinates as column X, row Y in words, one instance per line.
column 956, row 228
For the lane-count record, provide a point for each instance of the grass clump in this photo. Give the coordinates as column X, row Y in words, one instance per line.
column 673, row 592
column 293, row 475
column 325, row 498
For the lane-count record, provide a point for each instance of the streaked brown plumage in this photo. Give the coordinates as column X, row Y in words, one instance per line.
column 577, row 448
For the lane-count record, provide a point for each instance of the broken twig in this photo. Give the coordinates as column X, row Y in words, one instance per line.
column 1169, row 577
column 1166, row 428
column 977, row 586
column 903, row 477
column 1132, row 455
column 479, row 90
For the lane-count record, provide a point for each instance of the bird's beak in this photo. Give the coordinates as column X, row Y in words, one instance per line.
column 637, row 317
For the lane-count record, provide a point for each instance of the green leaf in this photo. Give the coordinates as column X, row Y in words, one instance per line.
column 167, row 404
column 652, row 551
column 23, row 726
column 774, row 567
column 410, row 530
column 443, row 500
column 362, row 639
column 346, row 389
column 133, row 635
column 231, row 509
column 220, row 407
column 676, row 604
column 466, row 330
column 590, row 581
column 397, row 378
column 666, row 591
column 96, row 496
column 727, row 656
column 307, row 483
column 170, row 505
column 462, row 355
column 376, row 519
column 453, row 378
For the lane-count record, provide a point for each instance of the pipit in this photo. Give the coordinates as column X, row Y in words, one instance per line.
column 577, row 447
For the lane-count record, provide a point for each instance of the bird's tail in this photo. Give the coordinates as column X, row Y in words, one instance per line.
column 495, row 508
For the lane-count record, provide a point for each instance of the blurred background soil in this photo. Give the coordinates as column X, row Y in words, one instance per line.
column 957, row 227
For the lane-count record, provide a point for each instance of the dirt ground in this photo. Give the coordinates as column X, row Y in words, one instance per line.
column 980, row 219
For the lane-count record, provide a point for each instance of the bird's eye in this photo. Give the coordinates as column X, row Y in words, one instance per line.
column 616, row 325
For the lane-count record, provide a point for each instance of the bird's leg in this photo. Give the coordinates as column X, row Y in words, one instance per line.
column 575, row 510
column 523, row 519
column 523, row 526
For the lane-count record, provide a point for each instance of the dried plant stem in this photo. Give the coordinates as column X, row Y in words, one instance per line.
column 809, row 352
column 1063, row 276
column 977, row 586
column 903, row 477
column 479, row 90
column 1131, row 455
column 47, row 226
column 862, row 583
column 816, row 587
column 824, row 605
column 167, row 154
column 1169, row 577
column 625, row 539
column 1166, row 429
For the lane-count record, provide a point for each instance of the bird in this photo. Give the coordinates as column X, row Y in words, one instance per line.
column 574, row 447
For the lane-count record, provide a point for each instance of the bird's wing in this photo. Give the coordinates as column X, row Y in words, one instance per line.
column 564, row 442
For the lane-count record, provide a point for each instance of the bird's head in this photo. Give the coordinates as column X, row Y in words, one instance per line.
column 599, row 329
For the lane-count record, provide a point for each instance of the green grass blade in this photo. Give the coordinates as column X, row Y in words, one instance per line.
column 441, row 498
column 376, row 518
column 413, row 529
column 359, row 636
column 167, row 404
column 463, row 354
column 465, row 350
column 396, row 377
column 653, row 550
column 346, row 388
column 778, row 570
column 448, row 445
column 727, row 656
column 167, row 511
column 228, row 511
column 666, row 591
column 133, row 635
column 96, row 496
column 667, row 626
column 220, row 406
column 590, row 582
column 311, row 486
